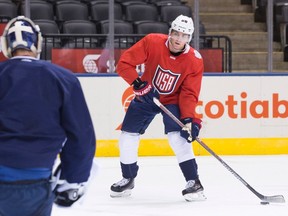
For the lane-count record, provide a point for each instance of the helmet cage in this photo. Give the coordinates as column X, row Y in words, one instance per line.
column 21, row 33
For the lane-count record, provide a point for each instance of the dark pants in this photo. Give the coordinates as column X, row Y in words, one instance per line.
column 27, row 198
column 139, row 116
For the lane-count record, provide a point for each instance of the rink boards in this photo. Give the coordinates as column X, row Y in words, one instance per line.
column 242, row 114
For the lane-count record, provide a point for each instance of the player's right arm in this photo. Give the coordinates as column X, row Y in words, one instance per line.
column 135, row 55
column 126, row 68
column 79, row 150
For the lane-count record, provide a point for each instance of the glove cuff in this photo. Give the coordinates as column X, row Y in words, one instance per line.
column 193, row 121
column 138, row 83
column 66, row 186
column 197, row 121
column 145, row 89
column 186, row 120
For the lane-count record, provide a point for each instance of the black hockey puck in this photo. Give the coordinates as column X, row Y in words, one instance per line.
column 264, row 203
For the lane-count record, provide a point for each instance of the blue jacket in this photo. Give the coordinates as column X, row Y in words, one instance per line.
column 43, row 113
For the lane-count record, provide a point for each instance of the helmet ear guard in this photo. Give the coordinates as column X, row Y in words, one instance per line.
column 183, row 24
column 21, row 33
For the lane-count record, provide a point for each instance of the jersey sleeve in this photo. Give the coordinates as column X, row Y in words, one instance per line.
column 135, row 55
column 191, row 87
column 79, row 150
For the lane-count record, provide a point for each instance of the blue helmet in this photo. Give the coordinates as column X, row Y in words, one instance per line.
column 21, row 33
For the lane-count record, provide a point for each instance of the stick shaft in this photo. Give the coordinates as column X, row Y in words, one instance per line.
column 276, row 198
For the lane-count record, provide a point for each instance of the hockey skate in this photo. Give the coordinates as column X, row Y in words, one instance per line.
column 123, row 188
column 194, row 191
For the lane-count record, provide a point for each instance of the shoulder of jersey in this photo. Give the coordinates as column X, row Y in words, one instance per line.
column 195, row 53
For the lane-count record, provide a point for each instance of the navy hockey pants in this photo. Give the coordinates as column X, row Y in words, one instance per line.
column 139, row 116
column 137, row 119
column 26, row 198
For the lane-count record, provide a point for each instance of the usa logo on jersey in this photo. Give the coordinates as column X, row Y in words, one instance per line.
column 165, row 80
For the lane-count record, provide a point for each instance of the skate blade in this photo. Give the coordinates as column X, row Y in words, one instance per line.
column 191, row 197
column 125, row 193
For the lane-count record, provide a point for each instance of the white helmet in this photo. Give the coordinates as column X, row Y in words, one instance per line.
column 183, row 24
column 21, row 33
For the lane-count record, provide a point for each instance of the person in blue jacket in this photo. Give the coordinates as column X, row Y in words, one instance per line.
column 43, row 114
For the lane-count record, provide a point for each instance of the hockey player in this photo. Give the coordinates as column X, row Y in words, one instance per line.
column 43, row 113
column 173, row 73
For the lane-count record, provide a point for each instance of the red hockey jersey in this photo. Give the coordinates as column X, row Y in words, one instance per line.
column 176, row 78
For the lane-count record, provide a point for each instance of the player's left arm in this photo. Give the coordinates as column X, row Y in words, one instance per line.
column 189, row 96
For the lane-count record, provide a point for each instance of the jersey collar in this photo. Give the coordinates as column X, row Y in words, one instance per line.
column 186, row 49
column 24, row 57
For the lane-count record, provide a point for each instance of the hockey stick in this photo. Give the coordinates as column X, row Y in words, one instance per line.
column 264, row 199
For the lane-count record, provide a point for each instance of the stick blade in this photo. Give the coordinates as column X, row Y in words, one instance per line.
column 274, row 199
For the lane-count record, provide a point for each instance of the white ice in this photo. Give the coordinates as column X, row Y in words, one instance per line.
column 159, row 184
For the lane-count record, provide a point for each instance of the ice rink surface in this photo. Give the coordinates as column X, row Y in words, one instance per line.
column 159, row 184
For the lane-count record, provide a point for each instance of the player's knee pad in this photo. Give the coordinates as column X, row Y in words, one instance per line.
column 128, row 144
column 182, row 149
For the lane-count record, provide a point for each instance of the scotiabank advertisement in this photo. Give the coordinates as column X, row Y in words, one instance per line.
column 244, row 106
column 230, row 106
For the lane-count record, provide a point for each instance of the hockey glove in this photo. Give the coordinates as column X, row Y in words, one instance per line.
column 68, row 193
column 144, row 91
column 191, row 129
